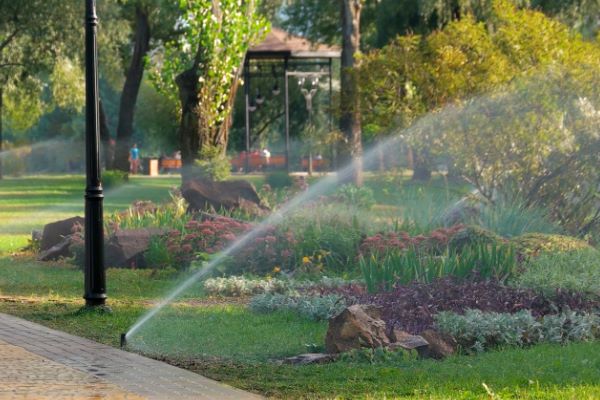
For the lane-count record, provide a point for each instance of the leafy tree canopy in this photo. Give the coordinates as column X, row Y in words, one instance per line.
column 514, row 104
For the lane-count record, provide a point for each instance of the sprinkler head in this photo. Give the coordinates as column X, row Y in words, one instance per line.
column 123, row 339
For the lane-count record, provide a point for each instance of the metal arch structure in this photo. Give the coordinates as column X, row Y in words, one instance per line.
column 287, row 51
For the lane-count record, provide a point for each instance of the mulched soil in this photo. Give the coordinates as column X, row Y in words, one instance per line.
column 412, row 307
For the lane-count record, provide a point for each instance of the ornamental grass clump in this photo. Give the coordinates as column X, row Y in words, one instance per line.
column 411, row 265
column 143, row 214
column 329, row 235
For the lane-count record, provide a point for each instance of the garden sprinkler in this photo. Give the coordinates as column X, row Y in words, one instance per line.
column 123, row 339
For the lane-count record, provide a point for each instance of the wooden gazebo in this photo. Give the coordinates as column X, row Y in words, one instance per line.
column 288, row 56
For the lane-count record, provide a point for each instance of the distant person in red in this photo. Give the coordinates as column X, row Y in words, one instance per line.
column 134, row 159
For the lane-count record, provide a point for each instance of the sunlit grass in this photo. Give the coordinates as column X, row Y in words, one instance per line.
column 31, row 202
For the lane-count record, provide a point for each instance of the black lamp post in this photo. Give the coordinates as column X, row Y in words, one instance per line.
column 95, row 277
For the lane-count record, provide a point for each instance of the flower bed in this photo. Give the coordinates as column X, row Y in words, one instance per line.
column 412, row 307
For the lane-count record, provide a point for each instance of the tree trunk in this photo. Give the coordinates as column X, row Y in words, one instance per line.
column 380, row 156
column 131, row 88
column 108, row 147
column 350, row 113
column 1, row 138
column 422, row 168
column 189, row 138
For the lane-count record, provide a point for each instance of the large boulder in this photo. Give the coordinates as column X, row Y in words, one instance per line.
column 439, row 345
column 465, row 211
column 357, row 326
column 125, row 248
column 55, row 232
column 203, row 194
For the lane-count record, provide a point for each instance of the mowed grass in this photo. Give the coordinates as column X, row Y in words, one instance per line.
column 31, row 202
column 23, row 276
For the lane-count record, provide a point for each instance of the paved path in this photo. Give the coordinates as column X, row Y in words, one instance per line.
column 40, row 363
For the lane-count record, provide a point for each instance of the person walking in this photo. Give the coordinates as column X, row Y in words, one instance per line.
column 267, row 156
column 134, row 159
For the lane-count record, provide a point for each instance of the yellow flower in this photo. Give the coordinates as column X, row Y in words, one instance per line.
column 276, row 269
column 305, row 260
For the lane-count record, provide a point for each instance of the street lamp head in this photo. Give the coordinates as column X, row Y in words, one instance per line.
column 259, row 98
column 276, row 89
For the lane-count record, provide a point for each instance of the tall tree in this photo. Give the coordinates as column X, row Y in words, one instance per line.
column 350, row 99
column 131, row 87
column 151, row 23
column 30, row 46
column 203, row 67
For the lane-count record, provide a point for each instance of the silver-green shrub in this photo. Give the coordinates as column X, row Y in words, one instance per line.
column 241, row 286
column 477, row 330
column 313, row 307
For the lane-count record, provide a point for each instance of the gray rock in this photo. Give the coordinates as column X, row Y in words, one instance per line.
column 36, row 235
column 59, row 250
column 311, row 358
column 406, row 341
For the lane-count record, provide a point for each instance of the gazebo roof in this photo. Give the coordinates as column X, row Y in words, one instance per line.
column 281, row 44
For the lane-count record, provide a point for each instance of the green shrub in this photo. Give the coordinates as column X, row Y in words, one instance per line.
column 158, row 256
column 361, row 197
column 279, row 180
column 328, row 240
column 477, row 330
column 14, row 159
column 404, row 267
column 533, row 244
column 313, row 307
column 114, row 178
column 577, row 271
column 213, row 164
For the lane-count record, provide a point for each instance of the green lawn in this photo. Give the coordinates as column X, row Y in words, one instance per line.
column 29, row 203
column 223, row 340
column 233, row 345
